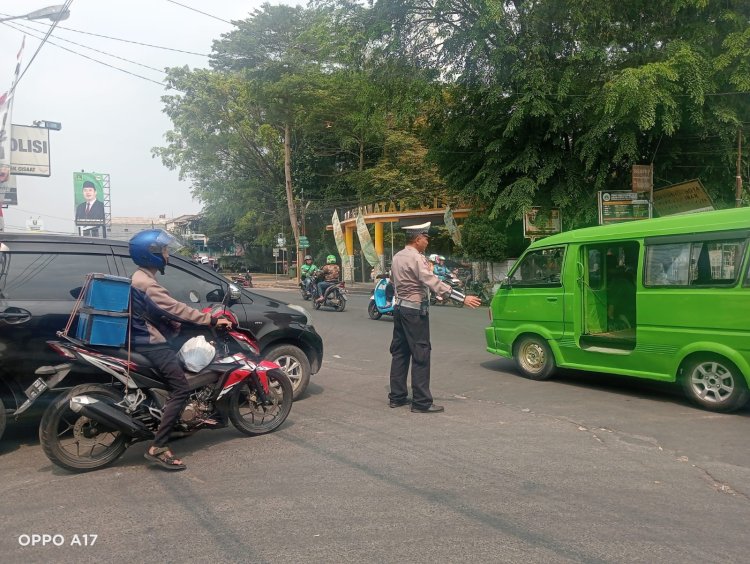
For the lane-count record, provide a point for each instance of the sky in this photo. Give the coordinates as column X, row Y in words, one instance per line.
column 110, row 119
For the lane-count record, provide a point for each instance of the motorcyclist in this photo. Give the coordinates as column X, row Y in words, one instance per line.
column 328, row 276
column 440, row 270
column 156, row 316
column 306, row 272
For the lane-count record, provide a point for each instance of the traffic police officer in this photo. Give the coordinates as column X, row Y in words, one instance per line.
column 412, row 276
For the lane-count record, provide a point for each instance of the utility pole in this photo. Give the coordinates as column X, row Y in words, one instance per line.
column 738, row 188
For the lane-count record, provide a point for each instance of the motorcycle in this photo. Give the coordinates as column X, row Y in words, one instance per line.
column 334, row 296
column 92, row 425
column 453, row 281
column 380, row 304
column 246, row 280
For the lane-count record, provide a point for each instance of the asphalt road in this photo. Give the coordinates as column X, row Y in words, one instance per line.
column 583, row 468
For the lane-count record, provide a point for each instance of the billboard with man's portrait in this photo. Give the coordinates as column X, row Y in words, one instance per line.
column 89, row 198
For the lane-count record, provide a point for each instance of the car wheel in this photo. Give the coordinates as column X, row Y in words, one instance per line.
column 3, row 418
column 714, row 383
column 534, row 357
column 295, row 364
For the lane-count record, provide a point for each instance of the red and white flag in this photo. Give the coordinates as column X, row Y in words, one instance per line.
column 6, row 109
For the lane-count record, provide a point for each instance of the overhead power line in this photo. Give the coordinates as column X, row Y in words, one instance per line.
column 123, row 40
column 204, row 13
column 30, row 30
column 89, row 58
column 39, row 48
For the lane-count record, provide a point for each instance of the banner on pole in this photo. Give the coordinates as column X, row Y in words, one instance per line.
column 365, row 241
column 450, row 225
column 6, row 109
column 338, row 236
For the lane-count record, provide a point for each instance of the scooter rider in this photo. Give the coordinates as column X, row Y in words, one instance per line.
column 155, row 316
column 440, row 270
column 330, row 274
column 306, row 272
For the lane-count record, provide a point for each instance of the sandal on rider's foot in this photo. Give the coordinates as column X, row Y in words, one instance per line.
column 164, row 457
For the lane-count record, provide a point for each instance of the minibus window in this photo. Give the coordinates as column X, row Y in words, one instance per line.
column 697, row 263
column 539, row 268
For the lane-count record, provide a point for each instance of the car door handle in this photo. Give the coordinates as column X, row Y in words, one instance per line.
column 551, row 299
column 15, row 315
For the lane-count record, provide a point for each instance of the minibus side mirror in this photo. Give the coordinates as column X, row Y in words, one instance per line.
column 507, row 283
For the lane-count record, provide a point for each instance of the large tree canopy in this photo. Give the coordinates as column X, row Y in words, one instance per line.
column 507, row 104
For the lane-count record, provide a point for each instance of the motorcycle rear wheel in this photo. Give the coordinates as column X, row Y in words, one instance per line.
column 75, row 442
column 342, row 301
column 372, row 310
column 252, row 418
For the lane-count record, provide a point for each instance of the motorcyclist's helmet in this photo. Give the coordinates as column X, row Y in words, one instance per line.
column 331, row 259
column 432, row 258
column 308, row 257
column 441, row 258
column 147, row 248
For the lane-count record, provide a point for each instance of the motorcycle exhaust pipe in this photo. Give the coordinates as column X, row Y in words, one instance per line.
column 108, row 415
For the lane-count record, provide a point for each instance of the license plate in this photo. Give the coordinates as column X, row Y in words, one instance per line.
column 36, row 388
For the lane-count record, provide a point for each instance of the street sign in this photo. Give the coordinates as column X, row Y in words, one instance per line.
column 275, row 252
column 304, row 243
column 616, row 206
column 537, row 224
column 685, row 197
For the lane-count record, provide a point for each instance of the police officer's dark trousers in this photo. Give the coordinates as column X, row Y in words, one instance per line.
column 166, row 361
column 411, row 343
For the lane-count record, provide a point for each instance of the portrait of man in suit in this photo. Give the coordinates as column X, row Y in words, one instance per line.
column 91, row 210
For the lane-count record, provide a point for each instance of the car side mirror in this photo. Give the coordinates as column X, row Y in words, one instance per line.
column 507, row 283
column 76, row 292
column 234, row 293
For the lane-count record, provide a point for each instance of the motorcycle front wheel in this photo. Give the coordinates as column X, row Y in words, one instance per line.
column 248, row 413
column 75, row 442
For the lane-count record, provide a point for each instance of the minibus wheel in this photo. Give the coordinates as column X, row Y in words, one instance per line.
column 534, row 357
column 714, row 383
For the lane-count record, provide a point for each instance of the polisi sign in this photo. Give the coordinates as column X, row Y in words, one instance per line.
column 29, row 151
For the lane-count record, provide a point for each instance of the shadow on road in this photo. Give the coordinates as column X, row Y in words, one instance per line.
column 665, row 392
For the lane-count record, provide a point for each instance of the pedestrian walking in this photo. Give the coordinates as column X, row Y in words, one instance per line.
column 412, row 278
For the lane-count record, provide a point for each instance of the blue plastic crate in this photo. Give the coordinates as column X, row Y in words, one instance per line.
column 105, row 329
column 108, row 293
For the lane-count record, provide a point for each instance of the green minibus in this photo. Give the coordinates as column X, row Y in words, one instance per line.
column 664, row 299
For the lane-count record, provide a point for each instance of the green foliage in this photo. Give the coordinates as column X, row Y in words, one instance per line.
column 506, row 105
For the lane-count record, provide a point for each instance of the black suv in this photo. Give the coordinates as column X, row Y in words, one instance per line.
column 41, row 276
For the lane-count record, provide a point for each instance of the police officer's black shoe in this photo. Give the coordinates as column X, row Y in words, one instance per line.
column 399, row 403
column 432, row 409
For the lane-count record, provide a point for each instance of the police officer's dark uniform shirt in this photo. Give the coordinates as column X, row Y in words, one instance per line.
column 411, row 273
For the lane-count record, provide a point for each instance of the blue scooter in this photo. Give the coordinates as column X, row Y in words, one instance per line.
column 379, row 304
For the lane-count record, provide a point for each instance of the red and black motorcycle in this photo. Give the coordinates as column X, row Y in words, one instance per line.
column 92, row 425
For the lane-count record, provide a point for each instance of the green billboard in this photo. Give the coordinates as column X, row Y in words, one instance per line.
column 88, row 188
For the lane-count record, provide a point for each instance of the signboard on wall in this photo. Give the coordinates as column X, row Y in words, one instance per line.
column 617, row 206
column 685, row 197
column 538, row 223
column 29, row 151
